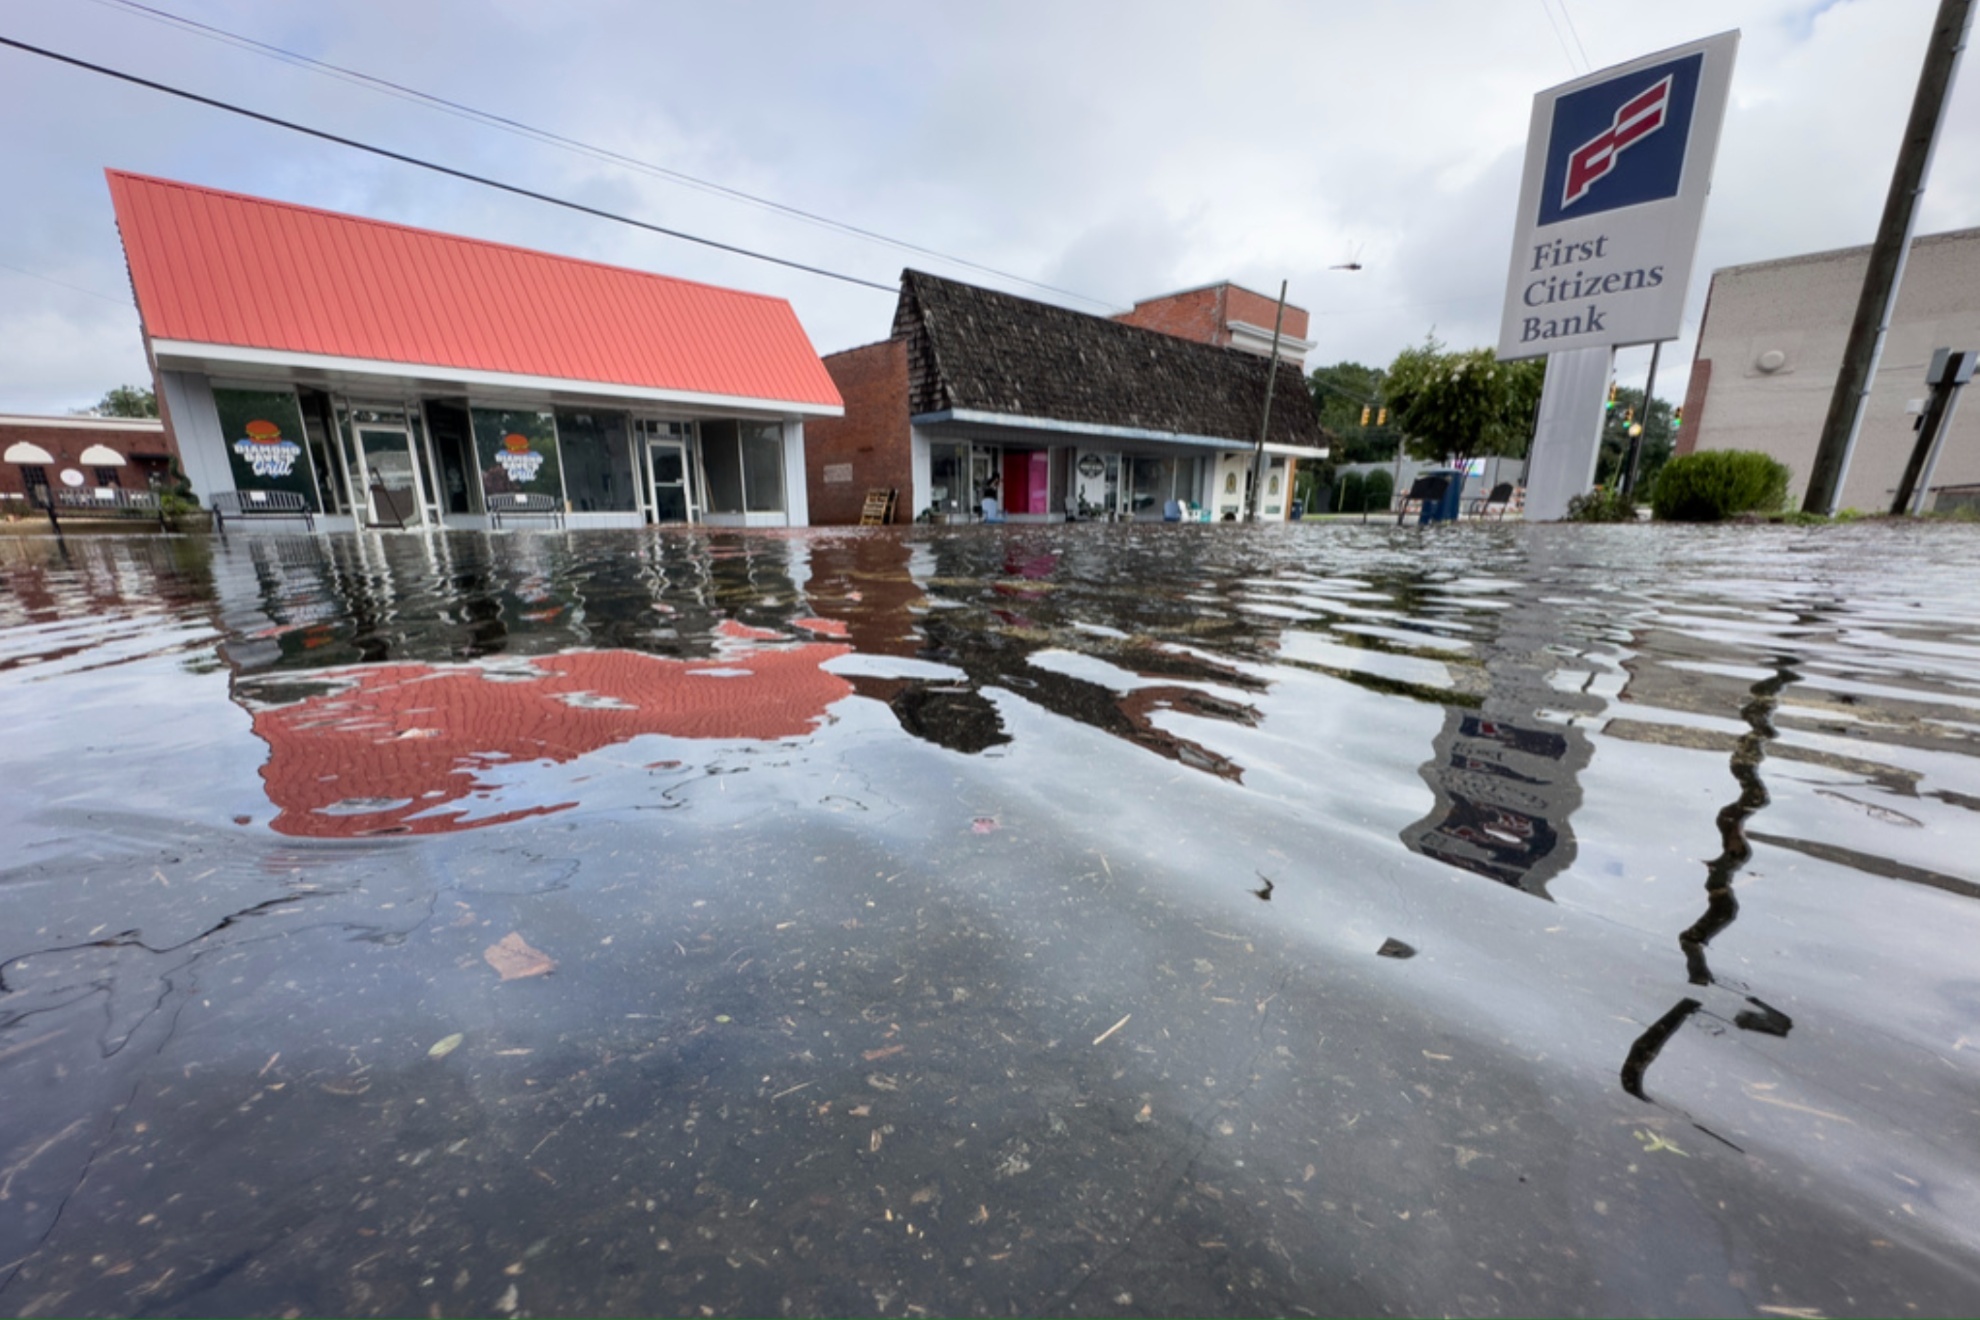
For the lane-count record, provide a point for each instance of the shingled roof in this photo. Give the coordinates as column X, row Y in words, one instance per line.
column 977, row 350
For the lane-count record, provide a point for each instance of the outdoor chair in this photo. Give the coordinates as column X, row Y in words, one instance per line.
column 1501, row 495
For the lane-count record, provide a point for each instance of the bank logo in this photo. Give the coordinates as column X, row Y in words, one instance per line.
column 1620, row 143
column 267, row 454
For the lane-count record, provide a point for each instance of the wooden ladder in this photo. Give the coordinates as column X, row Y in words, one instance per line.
column 879, row 508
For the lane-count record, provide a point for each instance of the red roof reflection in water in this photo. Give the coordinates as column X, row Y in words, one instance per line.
column 397, row 743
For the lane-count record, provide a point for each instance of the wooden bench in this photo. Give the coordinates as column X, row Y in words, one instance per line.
column 112, row 502
column 516, row 505
column 249, row 505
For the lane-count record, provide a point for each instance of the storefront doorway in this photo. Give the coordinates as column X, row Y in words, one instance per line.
column 670, row 471
column 391, row 479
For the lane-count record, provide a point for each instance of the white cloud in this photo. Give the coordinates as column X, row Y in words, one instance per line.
column 1118, row 149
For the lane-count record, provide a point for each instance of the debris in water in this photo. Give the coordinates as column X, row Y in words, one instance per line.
column 446, row 1045
column 514, row 958
column 1111, row 1030
column 1393, row 948
column 983, row 825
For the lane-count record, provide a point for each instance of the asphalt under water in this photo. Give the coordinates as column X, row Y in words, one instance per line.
column 1096, row 920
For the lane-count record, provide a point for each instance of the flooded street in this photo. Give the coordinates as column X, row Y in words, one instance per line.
column 1078, row 919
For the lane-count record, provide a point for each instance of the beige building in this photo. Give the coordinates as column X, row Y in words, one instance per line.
column 1772, row 343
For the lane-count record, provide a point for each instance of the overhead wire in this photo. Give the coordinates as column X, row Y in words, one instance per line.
column 448, row 170
column 504, row 123
column 1587, row 64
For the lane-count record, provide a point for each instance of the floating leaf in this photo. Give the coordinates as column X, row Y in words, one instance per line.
column 514, row 958
column 446, row 1045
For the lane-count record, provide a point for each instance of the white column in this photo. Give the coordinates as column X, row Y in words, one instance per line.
column 1568, row 439
column 196, row 428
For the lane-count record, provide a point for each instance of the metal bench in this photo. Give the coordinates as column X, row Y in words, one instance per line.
column 256, row 504
column 112, row 502
column 524, row 506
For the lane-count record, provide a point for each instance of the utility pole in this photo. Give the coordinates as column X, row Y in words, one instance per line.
column 1946, row 376
column 1265, row 420
column 1887, row 258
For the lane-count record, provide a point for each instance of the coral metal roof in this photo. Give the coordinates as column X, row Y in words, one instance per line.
column 221, row 268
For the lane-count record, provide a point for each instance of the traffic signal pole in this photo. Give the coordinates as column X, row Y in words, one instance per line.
column 1649, row 409
column 1887, row 257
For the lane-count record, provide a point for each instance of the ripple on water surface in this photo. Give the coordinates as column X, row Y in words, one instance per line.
column 1054, row 919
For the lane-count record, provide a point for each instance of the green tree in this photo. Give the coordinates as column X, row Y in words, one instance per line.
column 127, row 401
column 1658, row 437
column 1457, row 406
column 1340, row 393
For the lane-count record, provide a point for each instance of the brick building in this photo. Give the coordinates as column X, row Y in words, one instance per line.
column 143, row 442
column 1060, row 413
column 1227, row 315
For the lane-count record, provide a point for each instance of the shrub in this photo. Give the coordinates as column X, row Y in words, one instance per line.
column 1719, row 483
column 1603, row 506
column 1347, row 493
column 1378, row 488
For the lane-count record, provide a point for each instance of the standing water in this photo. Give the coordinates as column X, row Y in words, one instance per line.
column 1133, row 920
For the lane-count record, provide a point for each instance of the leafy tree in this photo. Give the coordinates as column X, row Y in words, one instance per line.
column 127, row 401
column 1658, row 437
column 1340, row 393
column 1457, row 406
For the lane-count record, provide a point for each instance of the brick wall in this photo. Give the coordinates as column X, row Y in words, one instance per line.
column 870, row 446
column 1694, row 406
column 1205, row 314
column 1259, row 310
column 147, row 450
column 1196, row 315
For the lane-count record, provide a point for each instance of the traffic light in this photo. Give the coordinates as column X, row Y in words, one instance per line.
column 1364, row 414
column 1677, row 417
column 1610, row 406
column 1629, row 416
column 1382, row 417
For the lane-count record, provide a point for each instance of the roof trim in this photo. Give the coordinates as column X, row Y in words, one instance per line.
column 83, row 422
column 181, row 355
column 972, row 417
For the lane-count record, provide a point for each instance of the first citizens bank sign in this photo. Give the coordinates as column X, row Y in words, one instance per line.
column 1617, row 168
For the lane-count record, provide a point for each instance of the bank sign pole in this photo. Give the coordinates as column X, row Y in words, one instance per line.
column 1617, row 168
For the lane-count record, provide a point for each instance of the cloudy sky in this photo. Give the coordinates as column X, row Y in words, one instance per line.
column 1109, row 150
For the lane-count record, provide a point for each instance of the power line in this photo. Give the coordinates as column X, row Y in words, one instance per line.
column 1548, row 10
column 50, row 279
column 1573, row 31
column 490, row 119
column 437, row 168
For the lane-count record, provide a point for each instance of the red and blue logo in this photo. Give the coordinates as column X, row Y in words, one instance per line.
column 1620, row 143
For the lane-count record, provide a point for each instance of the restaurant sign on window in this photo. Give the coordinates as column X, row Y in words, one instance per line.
column 263, row 432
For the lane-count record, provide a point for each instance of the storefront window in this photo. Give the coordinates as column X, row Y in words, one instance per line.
column 597, row 457
column 264, row 434
column 453, row 448
column 763, row 467
column 517, row 452
column 721, row 464
column 1153, row 486
column 945, row 477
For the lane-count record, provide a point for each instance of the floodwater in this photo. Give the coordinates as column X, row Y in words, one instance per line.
column 1085, row 920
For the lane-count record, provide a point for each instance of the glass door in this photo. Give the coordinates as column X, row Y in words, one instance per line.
column 672, row 497
column 392, row 487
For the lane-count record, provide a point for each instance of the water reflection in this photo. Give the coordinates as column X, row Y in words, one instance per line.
column 1136, row 913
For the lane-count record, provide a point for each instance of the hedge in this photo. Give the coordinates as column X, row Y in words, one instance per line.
column 1719, row 483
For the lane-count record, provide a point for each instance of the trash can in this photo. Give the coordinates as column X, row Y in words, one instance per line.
column 1298, row 510
column 1445, row 506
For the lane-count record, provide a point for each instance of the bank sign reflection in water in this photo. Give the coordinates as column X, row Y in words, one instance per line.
column 425, row 749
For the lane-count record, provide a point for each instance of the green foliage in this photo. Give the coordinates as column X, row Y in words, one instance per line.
column 1348, row 493
column 1658, row 437
column 1378, row 488
column 1340, row 392
column 1601, row 506
column 1456, row 406
column 128, row 401
column 1719, row 483
column 177, row 504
